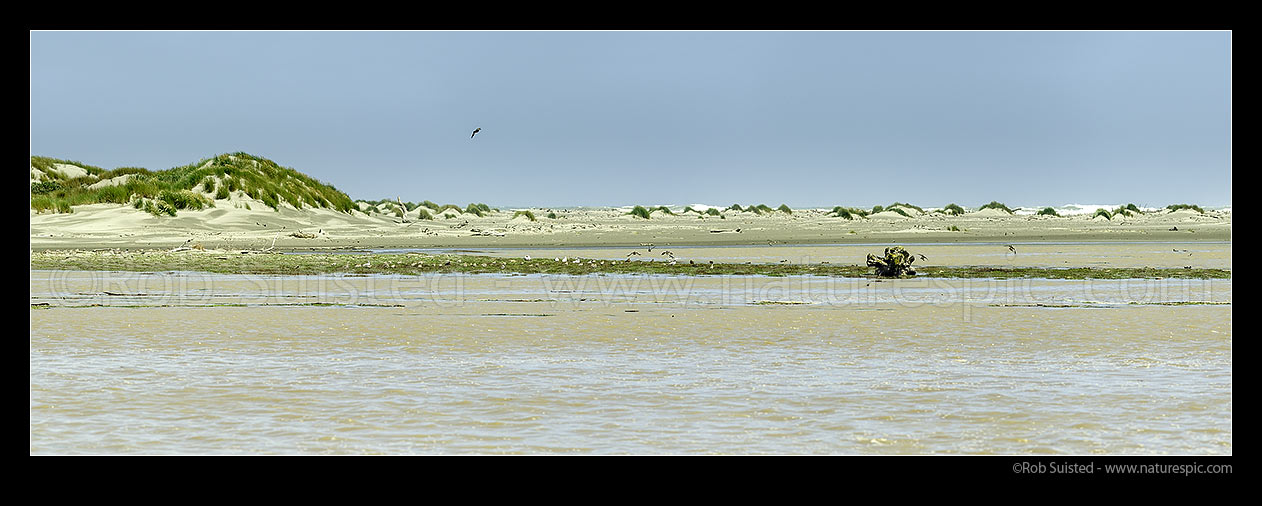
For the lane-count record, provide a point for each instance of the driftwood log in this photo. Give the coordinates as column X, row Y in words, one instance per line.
column 895, row 264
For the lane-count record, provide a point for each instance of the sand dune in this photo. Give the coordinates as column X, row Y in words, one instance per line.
column 246, row 223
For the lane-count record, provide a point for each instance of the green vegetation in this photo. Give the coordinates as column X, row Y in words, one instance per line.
column 848, row 213
column 996, row 205
column 46, row 165
column 784, row 208
column 1047, row 211
column 953, row 209
column 422, row 213
column 898, row 210
column 221, row 175
column 551, row 215
column 529, row 215
column 640, row 211
column 1194, row 207
column 903, row 204
column 953, row 228
column 1103, row 212
column 877, row 209
column 43, row 187
column 711, row 211
column 756, row 209
column 418, row 264
column 663, row 209
column 1127, row 210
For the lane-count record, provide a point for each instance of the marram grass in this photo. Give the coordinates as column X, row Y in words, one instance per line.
column 257, row 177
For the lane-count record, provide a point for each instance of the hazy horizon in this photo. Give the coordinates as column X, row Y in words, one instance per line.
column 809, row 119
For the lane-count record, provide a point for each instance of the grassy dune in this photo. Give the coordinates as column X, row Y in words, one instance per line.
column 193, row 186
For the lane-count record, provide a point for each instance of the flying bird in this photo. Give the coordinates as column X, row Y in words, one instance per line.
column 1012, row 249
column 475, row 132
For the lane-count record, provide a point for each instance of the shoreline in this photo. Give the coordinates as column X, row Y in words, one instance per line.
column 674, row 238
column 416, row 264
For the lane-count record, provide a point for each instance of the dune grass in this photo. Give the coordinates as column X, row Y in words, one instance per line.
column 1127, row 210
column 848, row 213
column 1178, row 207
column 529, row 215
column 257, row 177
column 1047, row 211
column 551, row 215
column 1103, row 212
column 906, row 205
column 784, row 208
column 640, row 212
column 953, row 209
column 996, row 205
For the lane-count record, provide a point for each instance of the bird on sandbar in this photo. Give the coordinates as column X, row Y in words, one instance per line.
column 475, row 132
column 1012, row 249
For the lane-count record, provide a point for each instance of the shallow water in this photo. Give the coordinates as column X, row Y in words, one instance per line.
column 1199, row 254
column 161, row 363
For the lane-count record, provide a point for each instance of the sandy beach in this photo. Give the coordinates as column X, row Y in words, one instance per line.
column 230, row 225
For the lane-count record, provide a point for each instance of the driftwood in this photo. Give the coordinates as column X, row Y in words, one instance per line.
column 895, row 264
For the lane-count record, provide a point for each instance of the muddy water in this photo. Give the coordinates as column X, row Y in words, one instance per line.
column 1204, row 254
column 160, row 363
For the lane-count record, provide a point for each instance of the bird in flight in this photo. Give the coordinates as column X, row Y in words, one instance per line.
column 1012, row 249
column 475, row 132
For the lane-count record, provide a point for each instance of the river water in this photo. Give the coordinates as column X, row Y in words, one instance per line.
column 190, row 363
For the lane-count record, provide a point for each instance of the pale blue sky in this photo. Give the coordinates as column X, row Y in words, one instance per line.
column 630, row 117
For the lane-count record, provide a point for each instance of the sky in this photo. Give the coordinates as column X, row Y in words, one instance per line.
column 595, row 118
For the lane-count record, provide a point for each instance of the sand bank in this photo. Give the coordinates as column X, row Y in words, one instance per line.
column 232, row 226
